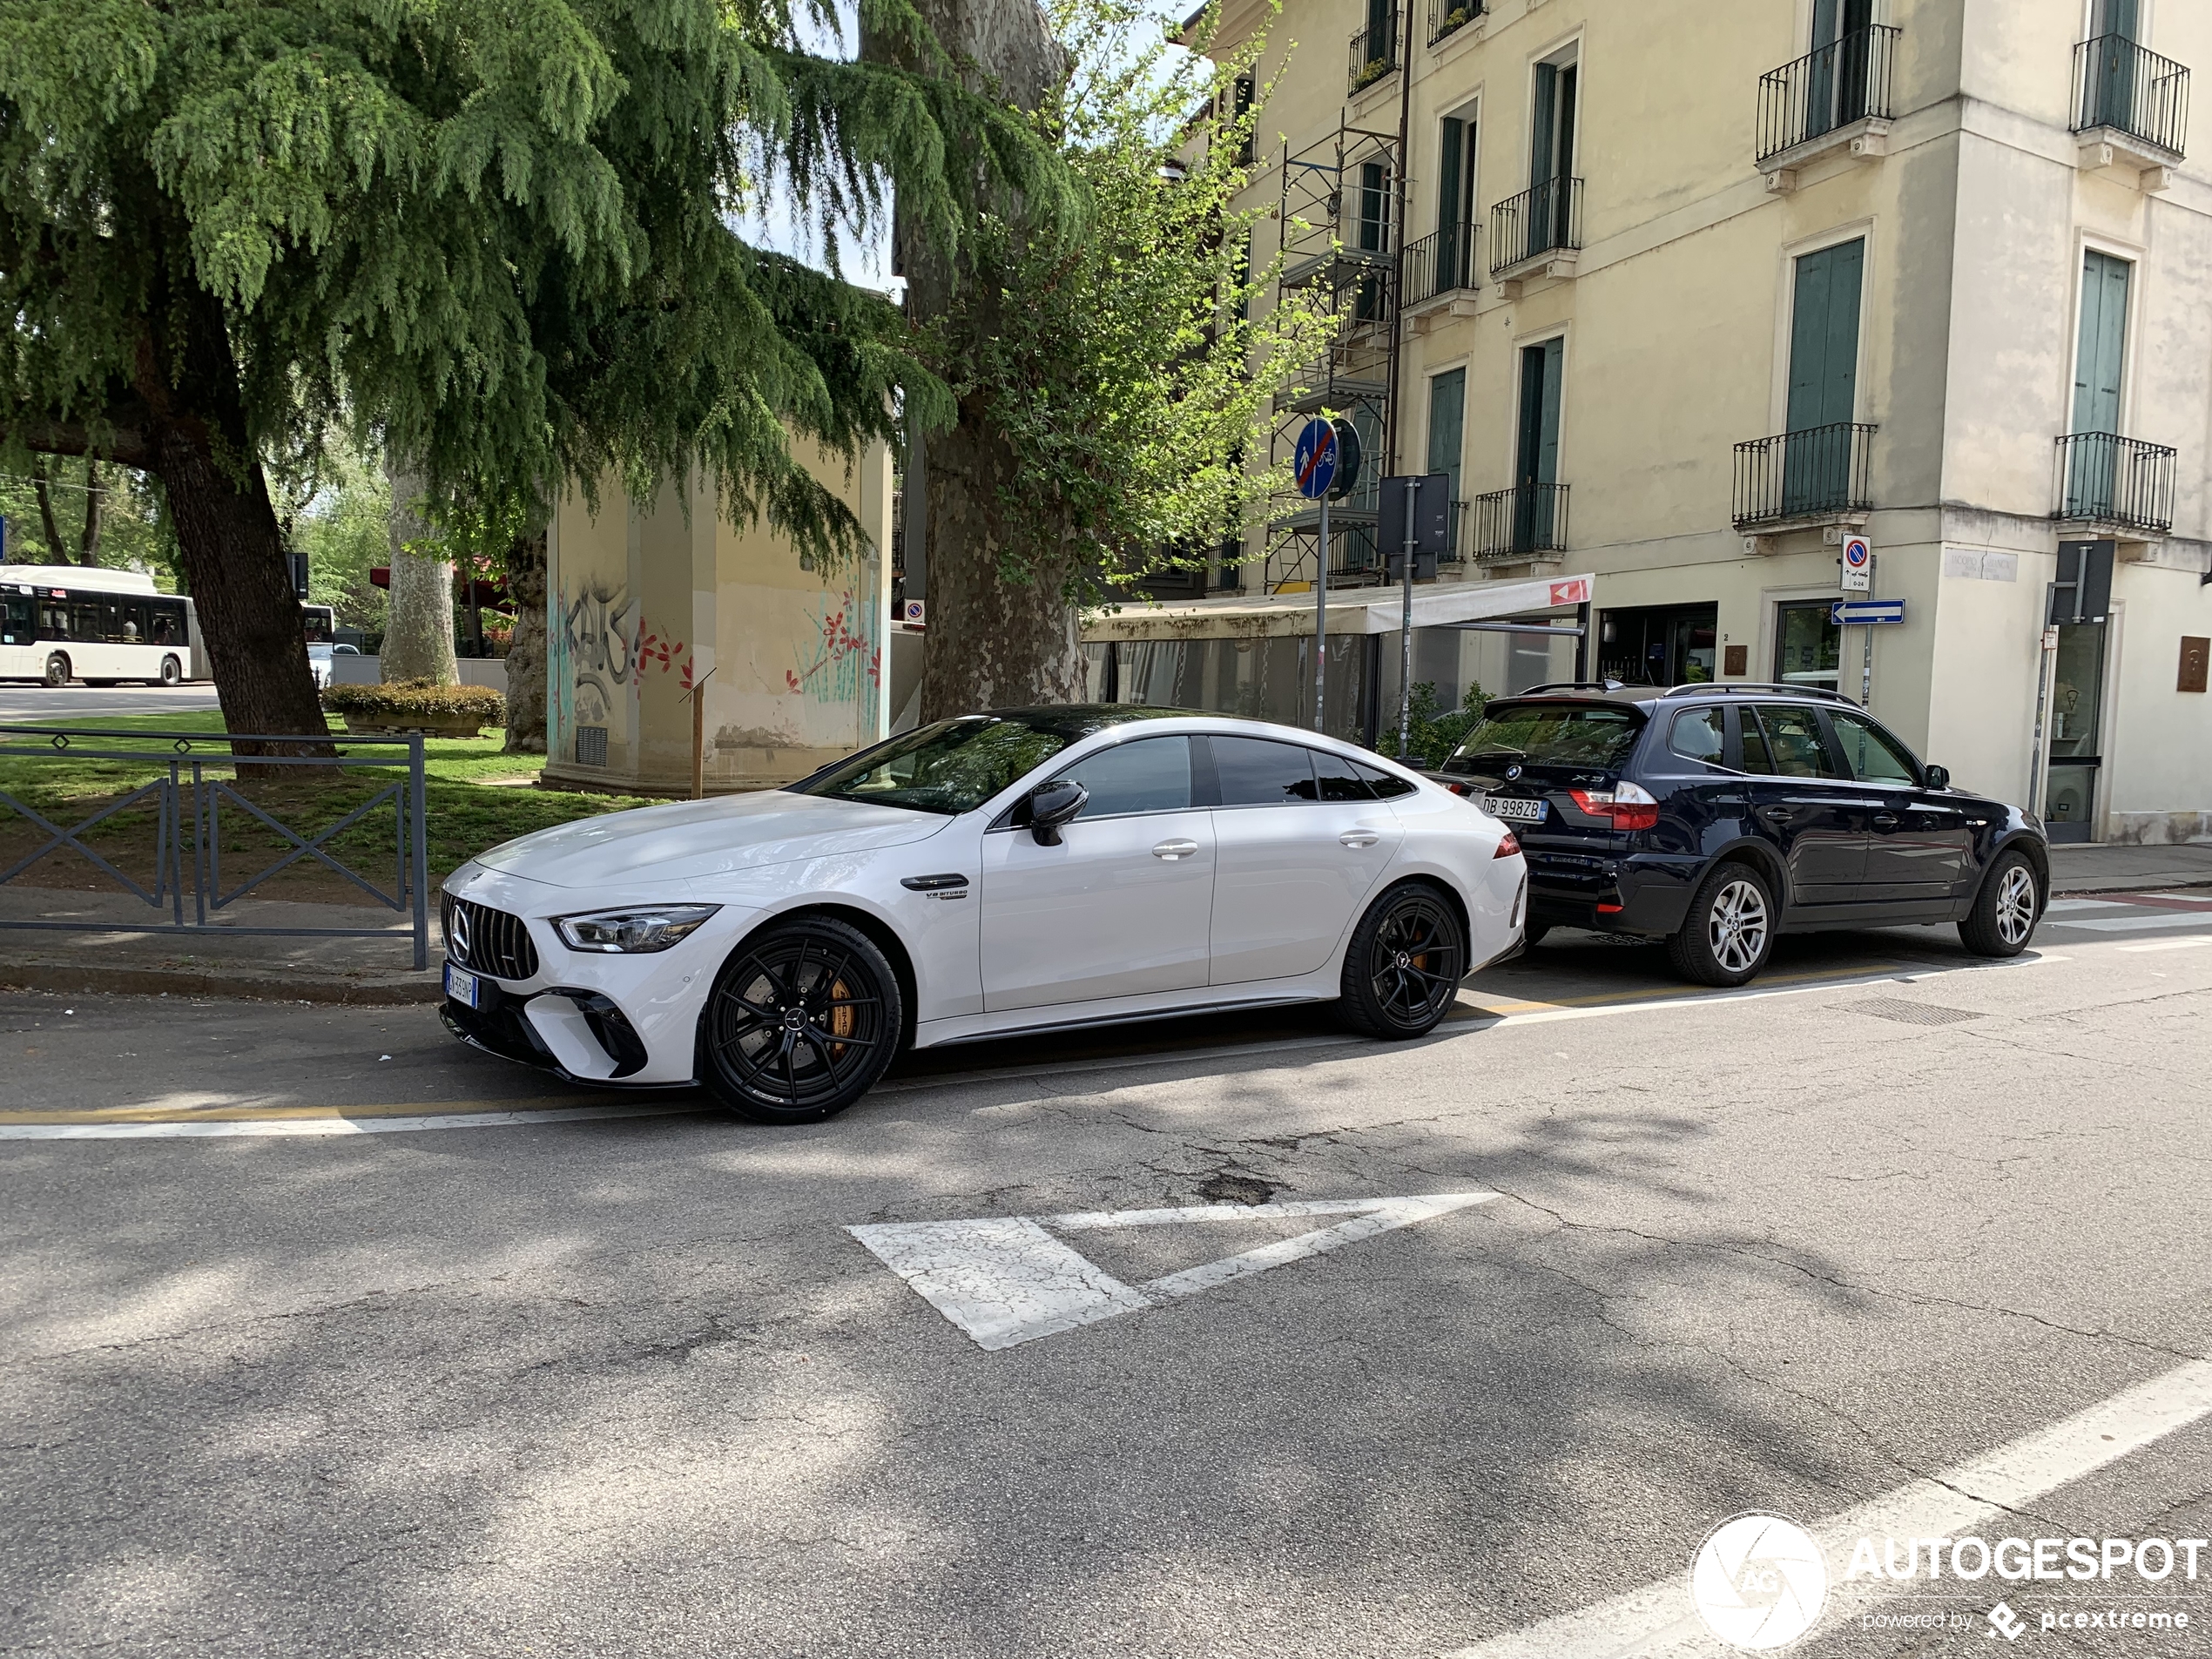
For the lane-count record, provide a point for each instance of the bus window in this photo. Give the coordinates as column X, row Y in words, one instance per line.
column 15, row 623
column 90, row 625
column 53, row 622
column 168, row 626
column 319, row 622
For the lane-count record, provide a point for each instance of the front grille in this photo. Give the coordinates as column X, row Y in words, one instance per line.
column 487, row 940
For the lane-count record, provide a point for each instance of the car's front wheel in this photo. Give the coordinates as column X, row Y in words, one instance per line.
column 2006, row 911
column 801, row 1022
column 1729, row 933
column 1405, row 963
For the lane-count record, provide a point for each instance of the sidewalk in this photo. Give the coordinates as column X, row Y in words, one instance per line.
column 157, row 960
column 2127, row 869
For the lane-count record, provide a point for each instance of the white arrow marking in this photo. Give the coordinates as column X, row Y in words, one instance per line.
column 1007, row 1279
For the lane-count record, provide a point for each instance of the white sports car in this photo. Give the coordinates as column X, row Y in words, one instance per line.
column 1021, row 871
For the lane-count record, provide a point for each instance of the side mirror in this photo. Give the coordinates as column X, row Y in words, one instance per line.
column 1052, row 804
column 1938, row 777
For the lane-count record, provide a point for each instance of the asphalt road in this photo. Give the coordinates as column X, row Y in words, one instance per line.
column 88, row 705
column 629, row 1386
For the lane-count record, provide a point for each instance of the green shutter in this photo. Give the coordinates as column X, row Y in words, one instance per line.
column 1446, row 423
column 2101, row 352
column 1447, row 180
column 1540, row 128
column 2118, row 18
column 1823, row 337
column 1547, row 451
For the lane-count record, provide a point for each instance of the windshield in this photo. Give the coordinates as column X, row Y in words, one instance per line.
column 952, row 767
column 1551, row 734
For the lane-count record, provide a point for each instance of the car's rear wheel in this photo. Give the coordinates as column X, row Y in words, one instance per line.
column 57, row 670
column 1405, row 963
column 801, row 1022
column 1729, row 933
column 2005, row 910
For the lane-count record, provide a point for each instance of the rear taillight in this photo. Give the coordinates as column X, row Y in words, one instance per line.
column 1508, row 847
column 1629, row 806
column 1460, row 789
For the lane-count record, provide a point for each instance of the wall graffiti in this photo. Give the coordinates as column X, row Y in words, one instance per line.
column 595, row 653
column 840, row 661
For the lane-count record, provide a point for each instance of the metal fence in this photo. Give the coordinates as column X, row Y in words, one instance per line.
column 1447, row 18
column 2124, row 482
column 1830, row 86
column 1441, row 262
column 197, row 787
column 2118, row 84
column 1374, row 52
column 1514, row 523
column 1544, row 218
column 1817, row 469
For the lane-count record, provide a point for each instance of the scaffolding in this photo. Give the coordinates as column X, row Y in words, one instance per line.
column 1340, row 241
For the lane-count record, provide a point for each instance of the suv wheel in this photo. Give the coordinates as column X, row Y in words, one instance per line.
column 1402, row 969
column 1729, row 933
column 800, row 1023
column 2005, row 910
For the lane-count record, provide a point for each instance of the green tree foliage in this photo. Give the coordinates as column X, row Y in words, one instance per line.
column 1433, row 733
column 134, row 533
column 343, row 527
column 494, row 237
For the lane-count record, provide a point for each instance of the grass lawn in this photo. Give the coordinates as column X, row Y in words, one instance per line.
column 469, row 808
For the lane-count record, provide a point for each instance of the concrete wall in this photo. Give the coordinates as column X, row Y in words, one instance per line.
column 369, row 670
column 645, row 600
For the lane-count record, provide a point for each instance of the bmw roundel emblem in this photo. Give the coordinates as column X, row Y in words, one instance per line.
column 1512, row 773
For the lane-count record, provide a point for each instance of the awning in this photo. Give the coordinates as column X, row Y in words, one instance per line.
column 1356, row 610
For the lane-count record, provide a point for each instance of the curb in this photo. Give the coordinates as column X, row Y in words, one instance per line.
column 200, row 982
column 2089, row 886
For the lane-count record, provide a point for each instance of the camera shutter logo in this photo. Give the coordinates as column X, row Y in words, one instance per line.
column 1758, row 1581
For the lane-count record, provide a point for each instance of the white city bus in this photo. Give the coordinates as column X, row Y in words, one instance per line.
column 63, row 621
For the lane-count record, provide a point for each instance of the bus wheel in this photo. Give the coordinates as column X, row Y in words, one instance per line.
column 172, row 672
column 57, row 670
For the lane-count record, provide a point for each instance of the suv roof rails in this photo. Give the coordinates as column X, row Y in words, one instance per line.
column 1764, row 688
column 1568, row 685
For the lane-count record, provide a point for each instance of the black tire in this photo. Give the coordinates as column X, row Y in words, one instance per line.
column 1533, row 934
column 802, row 1019
column 1404, row 965
column 2005, row 910
column 172, row 672
column 1729, row 933
column 57, row 670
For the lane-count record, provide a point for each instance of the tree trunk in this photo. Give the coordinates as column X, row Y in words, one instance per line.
column 526, row 647
column 95, row 496
column 418, row 637
column 57, row 549
column 993, row 642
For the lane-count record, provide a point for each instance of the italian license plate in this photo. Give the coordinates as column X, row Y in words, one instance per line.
column 1517, row 811
column 462, row 985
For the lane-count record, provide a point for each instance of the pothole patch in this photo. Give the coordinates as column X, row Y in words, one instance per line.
column 1225, row 1187
column 1904, row 1013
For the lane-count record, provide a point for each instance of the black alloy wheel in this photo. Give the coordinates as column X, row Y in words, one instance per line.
column 1405, row 963
column 801, row 1022
column 57, row 670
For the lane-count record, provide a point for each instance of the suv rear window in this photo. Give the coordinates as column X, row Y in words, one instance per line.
column 1552, row 734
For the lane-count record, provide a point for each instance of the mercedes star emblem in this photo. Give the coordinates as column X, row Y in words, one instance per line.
column 460, row 933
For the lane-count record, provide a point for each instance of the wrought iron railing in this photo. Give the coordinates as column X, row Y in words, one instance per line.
column 1447, row 18
column 1374, row 52
column 1440, row 263
column 1797, row 474
column 2107, row 479
column 195, row 786
column 1830, row 86
column 1517, row 522
column 1544, row 218
column 2118, row 84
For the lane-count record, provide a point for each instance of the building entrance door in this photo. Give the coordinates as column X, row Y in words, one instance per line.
column 2077, row 735
column 1660, row 645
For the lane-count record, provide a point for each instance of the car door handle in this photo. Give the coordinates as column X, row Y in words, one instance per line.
column 1776, row 814
column 1174, row 850
column 1356, row 838
column 1886, row 821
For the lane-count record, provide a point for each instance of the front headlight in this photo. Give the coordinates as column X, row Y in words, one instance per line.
column 647, row 927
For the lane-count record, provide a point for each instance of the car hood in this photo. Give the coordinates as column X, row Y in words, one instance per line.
column 686, row 839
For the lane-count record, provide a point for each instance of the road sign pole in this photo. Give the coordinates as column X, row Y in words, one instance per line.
column 1321, row 625
column 1405, row 628
column 1866, row 674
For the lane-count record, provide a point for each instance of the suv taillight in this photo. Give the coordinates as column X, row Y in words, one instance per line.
column 1630, row 807
column 1508, row 847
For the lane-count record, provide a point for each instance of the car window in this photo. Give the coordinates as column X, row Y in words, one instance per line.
column 1873, row 756
column 952, row 767
column 1387, row 785
column 1754, row 758
column 1699, row 734
column 1257, row 773
column 1793, row 740
column 1557, row 734
column 1150, row 775
column 1339, row 779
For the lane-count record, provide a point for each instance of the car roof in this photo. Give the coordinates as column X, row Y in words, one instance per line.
column 1650, row 697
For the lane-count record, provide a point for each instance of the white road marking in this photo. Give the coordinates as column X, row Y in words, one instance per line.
column 212, row 1128
column 1007, row 1280
column 2071, row 905
column 2137, row 924
column 2171, row 944
column 1657, row 1621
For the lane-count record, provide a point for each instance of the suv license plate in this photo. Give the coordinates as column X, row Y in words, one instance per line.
column 1518, row 812
column 460, row 986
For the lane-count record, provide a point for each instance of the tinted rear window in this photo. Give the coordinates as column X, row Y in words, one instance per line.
column 1552, row 734
column 1257, row 773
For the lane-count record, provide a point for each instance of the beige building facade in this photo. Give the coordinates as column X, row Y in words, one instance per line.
column 648, row 600
column 1689, row 297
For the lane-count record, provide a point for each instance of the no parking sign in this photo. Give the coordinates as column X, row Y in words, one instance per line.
column 1859, row 564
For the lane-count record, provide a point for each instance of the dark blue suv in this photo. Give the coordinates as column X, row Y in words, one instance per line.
column 1719, row 816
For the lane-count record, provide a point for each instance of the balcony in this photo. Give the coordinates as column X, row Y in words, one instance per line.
column 1526, row 525
column 1439, row 276
column 2120, row 485
column 1834, row 100
column 2131, row 109
column 1817, row 478
column 1537, row 232
column 1374, row 54
column 1447, row 18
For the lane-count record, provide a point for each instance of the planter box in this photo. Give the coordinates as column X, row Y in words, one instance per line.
column 430, row 726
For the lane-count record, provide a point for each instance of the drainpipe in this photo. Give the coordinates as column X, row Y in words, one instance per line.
column 1398, row 238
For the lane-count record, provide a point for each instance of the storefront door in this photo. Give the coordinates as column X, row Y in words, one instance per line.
column 1660, row 645
column 2076, row 733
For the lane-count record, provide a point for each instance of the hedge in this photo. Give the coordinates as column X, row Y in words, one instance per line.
column 416, row 700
